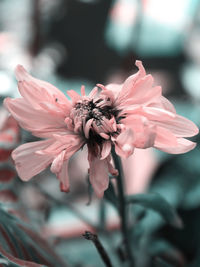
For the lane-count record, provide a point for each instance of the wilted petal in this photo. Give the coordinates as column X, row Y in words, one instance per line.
column 98, row 175
column 34, row 120
column 28, row 162
column 35, row 90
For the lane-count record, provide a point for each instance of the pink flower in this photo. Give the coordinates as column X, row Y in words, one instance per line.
column 127, row 116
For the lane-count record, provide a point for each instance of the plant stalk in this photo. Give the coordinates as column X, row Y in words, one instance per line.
column 94, row 238
column 123, row 208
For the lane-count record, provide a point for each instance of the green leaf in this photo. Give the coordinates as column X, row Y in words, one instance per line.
column 157, row 203
column 20, row 243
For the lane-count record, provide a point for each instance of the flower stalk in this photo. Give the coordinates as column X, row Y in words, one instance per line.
column 123, row 208
column 94, row 238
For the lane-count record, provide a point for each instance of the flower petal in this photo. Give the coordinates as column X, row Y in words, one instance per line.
column 157, row 114
column 58, row 162
column 114, row 88
column 167, row 104
column 28, row 162
column 136, row 91
column 165, row 138
column 33, row 120
column 98, row 175
column 129, row 87
column 180, row 126
column 35, row 90
column 106, row 148
column 183, row 146
column 111, row 168
column 144, row 131
column 87, row 127
column 64, row 177
column 124, row 143
column 74, row 95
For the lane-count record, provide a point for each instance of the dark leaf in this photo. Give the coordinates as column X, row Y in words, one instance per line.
column 158, row 204
column 165, row 250
column 17, row 262
column 161, row 263
column 22, row 243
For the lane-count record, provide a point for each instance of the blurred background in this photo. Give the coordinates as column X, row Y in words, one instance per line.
column 73, row 42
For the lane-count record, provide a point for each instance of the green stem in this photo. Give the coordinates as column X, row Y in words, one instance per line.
column 123, row 208
column 102, row 214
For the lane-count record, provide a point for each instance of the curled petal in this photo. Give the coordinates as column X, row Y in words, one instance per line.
column 111, row 168
column 146, row 138
column 63, row 177
column 88, row 127
column 124, row 143
column 74, row 95
column 144, row 132
column 129, row 86
column 58, row 162
column 106, row 148
column 105, row 136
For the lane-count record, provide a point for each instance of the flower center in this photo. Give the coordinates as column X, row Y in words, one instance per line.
column 88, row 109
column 96, row 119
